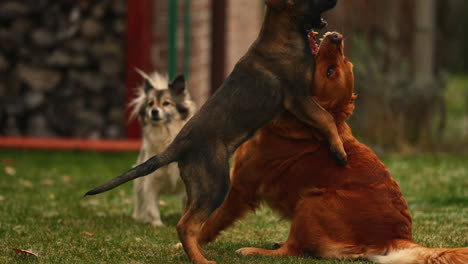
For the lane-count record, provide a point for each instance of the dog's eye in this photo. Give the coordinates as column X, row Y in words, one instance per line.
column 166, row 103
column 330, row 71
column 151, row 103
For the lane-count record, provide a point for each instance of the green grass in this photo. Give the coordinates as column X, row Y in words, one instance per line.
column 456, row 98
column 42, row 209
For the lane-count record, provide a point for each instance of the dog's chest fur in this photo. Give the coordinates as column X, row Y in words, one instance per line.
column 155, row 140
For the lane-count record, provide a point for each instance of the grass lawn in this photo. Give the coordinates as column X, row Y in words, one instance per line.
column 456, row 97
column 42, row 209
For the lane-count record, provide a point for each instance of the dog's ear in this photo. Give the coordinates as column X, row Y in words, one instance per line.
column 177, row 86
column 147, row 86
column 183, row 110
column 280, row 4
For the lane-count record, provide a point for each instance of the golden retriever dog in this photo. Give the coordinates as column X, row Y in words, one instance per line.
column 350, row 212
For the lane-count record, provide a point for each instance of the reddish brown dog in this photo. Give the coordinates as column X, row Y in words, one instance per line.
column 356, row 211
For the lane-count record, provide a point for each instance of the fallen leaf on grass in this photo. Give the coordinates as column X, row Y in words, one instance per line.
column 2, row 198
column 135, row 261
column 50, row 214
column 27, row 252
column 10, row 170
column 178, row 246
column 66, row 179
column 89, row 202
column 20, row 230
column 47, row 182
column 26, row 183
column 101, row 214
column 162, row 203
column 8, row 161
column 89, row 234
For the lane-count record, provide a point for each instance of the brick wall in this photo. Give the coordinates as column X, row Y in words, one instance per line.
column 244, row 18
column 200, row 50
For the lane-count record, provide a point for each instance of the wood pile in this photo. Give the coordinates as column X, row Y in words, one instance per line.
column 62, row 68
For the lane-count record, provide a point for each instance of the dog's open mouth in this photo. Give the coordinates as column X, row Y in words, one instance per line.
column 312, row 35
column 313, row 42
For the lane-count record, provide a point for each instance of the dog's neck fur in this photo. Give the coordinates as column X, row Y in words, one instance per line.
column 157, row 137
column 279, row 33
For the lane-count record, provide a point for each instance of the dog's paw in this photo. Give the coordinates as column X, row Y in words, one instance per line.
column 178, row 246
column 248, row 251
column 277, row 245
column 340, row 157
column 148, row 219
column 157, row 223
column 204, row 262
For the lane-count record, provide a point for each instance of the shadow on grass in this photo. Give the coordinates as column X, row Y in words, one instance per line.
column 24, row 258
column 171, row 219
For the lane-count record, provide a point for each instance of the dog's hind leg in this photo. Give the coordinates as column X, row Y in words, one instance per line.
column 240, row 200
column 207, row 183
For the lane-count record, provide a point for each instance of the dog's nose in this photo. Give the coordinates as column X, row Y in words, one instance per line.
column 156, row 115
column 335, row 37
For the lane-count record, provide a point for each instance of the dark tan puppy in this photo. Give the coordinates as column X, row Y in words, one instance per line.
column 275, row 75
column 356, row 211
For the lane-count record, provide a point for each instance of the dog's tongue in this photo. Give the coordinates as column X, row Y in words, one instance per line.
column 314, row 47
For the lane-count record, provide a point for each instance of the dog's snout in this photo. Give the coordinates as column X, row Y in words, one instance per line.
column 335, row 37
column 156, row 114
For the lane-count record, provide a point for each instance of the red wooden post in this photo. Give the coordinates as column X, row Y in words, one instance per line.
column 139, row 41
column 218, row 43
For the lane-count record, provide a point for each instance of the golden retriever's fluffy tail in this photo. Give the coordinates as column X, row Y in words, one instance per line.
column 411, row 253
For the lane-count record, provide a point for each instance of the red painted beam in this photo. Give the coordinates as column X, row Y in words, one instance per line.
column 139, row 42
column 69, row 144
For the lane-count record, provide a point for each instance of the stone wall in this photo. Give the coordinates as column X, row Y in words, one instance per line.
column 62, row 68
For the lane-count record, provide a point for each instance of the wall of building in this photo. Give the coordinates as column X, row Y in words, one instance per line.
column 199, row 78
column 242, row 25
column 244, row 18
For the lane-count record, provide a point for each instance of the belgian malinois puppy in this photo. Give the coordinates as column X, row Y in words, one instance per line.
column 275, row 75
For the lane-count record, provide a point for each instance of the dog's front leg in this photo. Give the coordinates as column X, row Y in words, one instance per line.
column 310, row 112
column 147, row 201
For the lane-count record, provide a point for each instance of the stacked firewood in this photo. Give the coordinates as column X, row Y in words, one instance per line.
column 62, row 68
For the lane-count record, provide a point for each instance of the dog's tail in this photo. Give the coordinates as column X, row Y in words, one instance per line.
column 169, row 155
column 411, row 253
